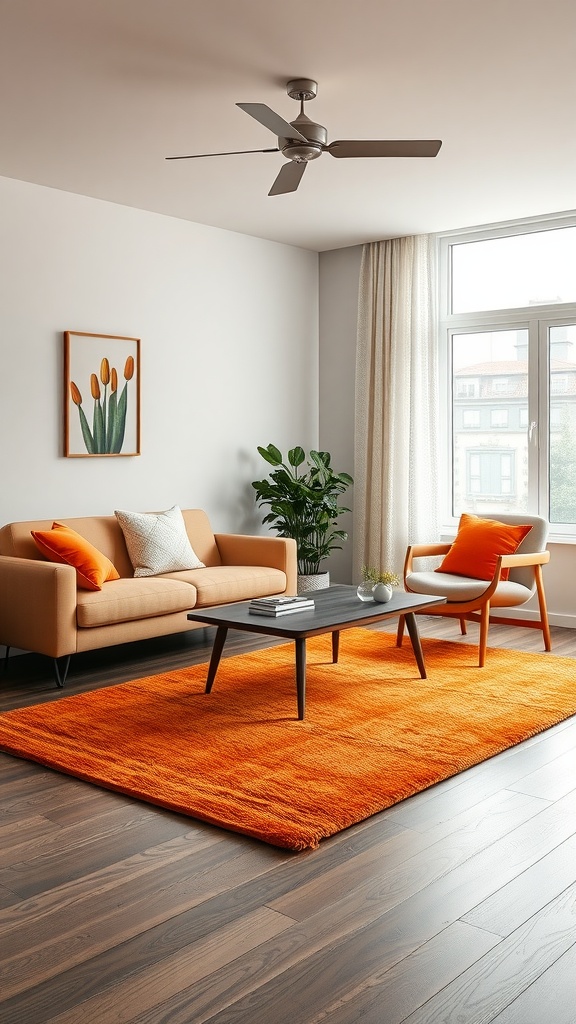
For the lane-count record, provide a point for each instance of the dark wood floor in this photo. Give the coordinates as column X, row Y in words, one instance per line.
column 458, row 905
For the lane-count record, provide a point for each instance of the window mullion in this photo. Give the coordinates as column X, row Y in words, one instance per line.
column 537, row 422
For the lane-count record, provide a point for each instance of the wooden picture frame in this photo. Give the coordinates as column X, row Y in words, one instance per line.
column 101, row 395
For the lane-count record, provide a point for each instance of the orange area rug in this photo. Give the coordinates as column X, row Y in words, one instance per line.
column 374, row 732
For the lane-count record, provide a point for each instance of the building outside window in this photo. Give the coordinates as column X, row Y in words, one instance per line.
column 509, row 343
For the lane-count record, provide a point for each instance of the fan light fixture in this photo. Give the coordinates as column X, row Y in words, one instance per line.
column 302, row 140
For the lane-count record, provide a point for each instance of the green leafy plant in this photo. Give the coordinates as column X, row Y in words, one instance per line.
column 372, row 575
column 302, row 494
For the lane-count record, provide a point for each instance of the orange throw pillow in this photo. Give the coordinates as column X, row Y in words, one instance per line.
column 477, row 545
column 61, row 544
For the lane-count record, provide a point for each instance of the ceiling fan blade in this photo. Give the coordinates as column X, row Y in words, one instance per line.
column 400, row 147
column 289, row 178
column 271, row 120
column 234, row 152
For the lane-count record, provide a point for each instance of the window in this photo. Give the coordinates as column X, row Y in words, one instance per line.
column 509, row 342
column 558, row 383
column 514, row 270
column 498, row 418
column 467, row 388
column 470, row 419
column 479, row 471
column 490, row 474
column 555, row 417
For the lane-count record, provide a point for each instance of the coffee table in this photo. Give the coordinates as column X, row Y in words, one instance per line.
column 336, row 608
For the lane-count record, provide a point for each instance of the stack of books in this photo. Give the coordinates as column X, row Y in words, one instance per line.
column 280, row 605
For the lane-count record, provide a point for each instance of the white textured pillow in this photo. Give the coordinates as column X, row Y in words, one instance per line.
column 157, row 542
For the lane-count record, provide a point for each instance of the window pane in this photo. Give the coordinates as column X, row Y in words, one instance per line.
column 562, row 449
column 490, row 459
column 515, row 270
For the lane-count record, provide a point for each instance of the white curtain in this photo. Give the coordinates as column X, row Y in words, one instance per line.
column 396, row 461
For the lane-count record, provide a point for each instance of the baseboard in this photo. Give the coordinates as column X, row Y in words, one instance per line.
column 567, row 621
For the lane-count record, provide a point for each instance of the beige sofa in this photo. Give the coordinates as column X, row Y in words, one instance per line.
column 42, row 610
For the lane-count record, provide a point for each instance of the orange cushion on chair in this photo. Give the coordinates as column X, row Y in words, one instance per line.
column 477, row 545
column 61, row 544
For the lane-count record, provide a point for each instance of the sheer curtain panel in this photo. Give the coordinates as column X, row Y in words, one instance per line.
column 396, row 464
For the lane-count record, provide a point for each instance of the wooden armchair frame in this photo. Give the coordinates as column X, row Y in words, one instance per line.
column 478, row 609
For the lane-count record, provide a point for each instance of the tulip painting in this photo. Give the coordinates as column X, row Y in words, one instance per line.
column 104, row 398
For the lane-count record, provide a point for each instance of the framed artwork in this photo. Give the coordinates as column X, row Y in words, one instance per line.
column 101, row 395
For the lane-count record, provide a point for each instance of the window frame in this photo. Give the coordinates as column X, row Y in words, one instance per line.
column 537, row 320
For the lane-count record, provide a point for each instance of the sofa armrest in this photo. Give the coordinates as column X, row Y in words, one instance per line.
column 37, row 606
column 275, row 552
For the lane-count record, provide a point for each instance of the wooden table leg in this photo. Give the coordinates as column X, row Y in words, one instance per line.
column 335, row 645
column 301, row 676
column 219, row 642
column 415, row 640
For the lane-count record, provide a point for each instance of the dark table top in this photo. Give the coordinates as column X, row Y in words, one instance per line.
column 335, row 608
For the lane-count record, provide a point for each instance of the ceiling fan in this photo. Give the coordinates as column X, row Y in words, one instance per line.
column 303, row 140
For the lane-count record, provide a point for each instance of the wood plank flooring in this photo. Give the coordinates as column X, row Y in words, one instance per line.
column 456, row 906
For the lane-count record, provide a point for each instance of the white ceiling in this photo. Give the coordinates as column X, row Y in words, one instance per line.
column 95, row 93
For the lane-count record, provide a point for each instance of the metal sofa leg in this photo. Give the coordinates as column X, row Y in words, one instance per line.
column 60, row 673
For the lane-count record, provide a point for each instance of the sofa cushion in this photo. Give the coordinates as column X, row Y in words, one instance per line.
column 125, row 600
column 62, row 544
column 222, row 584
column 157, row 542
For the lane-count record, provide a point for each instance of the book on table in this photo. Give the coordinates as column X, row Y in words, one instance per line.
column 275, row 606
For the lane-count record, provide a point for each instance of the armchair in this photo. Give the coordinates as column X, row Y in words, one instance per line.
column 472, row 599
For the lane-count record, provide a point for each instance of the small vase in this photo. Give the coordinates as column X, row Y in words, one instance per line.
column 382, row 592
column 365, row 591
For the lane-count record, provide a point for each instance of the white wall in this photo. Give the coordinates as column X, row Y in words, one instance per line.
column 339, row 273
column 224, row 368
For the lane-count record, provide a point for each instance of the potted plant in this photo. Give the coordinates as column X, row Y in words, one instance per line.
column 302, row 494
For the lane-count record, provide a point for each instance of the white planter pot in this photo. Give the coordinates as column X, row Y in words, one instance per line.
column 382, row 593
column 319, row 581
